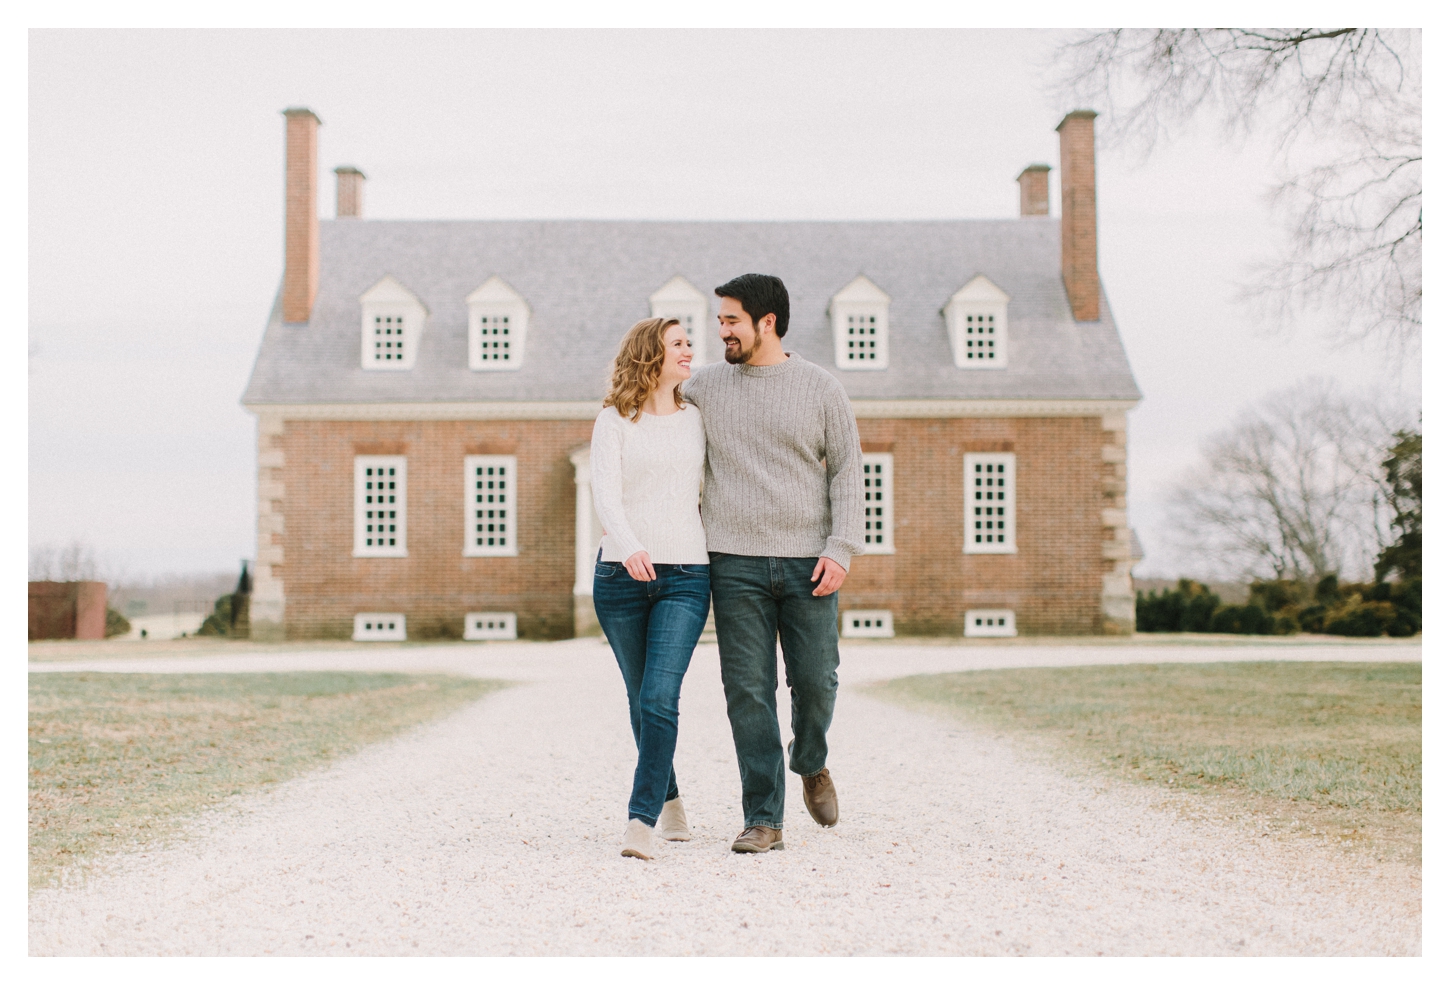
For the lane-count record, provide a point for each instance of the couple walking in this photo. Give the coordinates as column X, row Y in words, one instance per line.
column 782, row 514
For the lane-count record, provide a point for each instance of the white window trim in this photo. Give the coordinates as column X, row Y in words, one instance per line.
column 680, row 299
column 490, row 626
column 475, row 501
column 863, row 624
column 886, row 502
column 997, row 617
column 366, row 627
column 388, row 298
column 979, row 298
column 397, row 503
column 996, row 497
column 496, row 299
column 861, row 298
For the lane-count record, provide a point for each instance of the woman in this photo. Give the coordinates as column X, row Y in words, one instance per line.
column 652, row 576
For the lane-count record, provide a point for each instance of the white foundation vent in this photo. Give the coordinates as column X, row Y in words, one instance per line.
column 991, row 622
column 490, row 626
column 867, row 623
column 379, row 627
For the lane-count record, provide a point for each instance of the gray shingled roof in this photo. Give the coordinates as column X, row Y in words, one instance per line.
column 588, row 281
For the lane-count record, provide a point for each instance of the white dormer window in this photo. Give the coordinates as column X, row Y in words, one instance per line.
column 392, row 322
column 680, row 299
column 859, row 317
column 498, row 321
column 977, row 323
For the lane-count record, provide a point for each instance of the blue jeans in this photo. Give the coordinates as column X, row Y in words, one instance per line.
column 758, row 599
column 653, row 627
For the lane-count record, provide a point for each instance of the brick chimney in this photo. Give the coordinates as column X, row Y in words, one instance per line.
column 1079, row 214
column 349, row 191
column 1033, row 184
column 299, row 272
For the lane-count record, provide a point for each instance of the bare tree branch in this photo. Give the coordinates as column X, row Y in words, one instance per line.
column 1346, row 99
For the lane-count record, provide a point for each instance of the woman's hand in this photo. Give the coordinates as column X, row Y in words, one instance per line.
column 639, row 567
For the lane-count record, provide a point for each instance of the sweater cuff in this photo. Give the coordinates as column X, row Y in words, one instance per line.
column 840, row 551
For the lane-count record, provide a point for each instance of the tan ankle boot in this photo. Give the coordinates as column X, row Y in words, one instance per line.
column 638, row 840
column 673, row 826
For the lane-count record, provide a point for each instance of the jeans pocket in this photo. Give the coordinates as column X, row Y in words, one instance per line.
column 607, row 569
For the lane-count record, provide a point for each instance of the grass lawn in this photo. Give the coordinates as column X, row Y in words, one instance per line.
column 119, row 760
column 1332, row 748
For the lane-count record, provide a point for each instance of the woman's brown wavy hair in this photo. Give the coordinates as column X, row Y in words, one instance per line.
column 637, row 367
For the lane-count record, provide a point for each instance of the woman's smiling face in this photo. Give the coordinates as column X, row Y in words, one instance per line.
column 676, row 368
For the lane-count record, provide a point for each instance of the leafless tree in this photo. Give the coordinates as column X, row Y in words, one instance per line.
column 1344, row 105
column 1293, row 489
column 75, row 561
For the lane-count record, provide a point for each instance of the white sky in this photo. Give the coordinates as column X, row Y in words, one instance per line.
column 155, row 168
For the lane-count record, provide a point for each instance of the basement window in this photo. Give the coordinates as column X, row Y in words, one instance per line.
column 380, row 506
column 867, row 623
column 490, row 626
column 879, row 495
column 991, row 494
column 379, row 627
column 991, row 622
column 490, row 520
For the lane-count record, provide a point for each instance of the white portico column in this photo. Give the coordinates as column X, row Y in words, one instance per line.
column 587, row 534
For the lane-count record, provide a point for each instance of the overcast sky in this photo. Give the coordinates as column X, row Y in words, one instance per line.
column 156, row 221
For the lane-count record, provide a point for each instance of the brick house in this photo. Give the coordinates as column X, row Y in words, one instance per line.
column 425, row 393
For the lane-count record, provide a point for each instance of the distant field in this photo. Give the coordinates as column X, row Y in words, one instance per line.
column 119, row 760
column 1330, row 747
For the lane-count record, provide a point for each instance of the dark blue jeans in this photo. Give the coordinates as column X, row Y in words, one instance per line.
column 758, row 599
column 653, row 627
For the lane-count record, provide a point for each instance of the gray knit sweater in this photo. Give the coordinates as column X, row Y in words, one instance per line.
column 782, row 461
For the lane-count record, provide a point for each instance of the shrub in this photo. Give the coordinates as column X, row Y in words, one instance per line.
column 116, row 624
column 1187, row 609
column 1360, row 618
column 1245, row 619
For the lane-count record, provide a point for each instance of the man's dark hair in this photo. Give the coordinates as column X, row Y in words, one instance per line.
column 760, row 295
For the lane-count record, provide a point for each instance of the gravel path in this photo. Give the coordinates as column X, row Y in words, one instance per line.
column 495, row 832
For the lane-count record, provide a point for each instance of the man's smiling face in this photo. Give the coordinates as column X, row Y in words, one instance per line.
column 738, row 332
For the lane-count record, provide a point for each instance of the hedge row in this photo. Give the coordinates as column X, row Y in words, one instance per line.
column 1284, row 607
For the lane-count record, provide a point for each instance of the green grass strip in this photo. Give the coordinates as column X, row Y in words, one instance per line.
column 117, row 761
column 1340, row 742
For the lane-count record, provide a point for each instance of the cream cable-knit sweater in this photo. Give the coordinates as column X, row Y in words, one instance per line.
column 646, row 476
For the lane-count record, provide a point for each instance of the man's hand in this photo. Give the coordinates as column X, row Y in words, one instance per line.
column 830, row 574
column 639, row 567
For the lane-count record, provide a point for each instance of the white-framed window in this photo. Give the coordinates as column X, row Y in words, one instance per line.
column 880, row 520
column 991, row 496
column 991, row 622
column 490, row 495
column 680, row 299
column 498, row 322
column 379, row 627
column 490, row 626
column 977, row 324
column 860, row 320
column 867, row 623
column 392, row 323
column 380, row 506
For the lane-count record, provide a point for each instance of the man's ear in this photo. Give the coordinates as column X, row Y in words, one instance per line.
column 767, row 323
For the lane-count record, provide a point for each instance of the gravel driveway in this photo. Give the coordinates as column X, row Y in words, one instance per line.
column 495, row 832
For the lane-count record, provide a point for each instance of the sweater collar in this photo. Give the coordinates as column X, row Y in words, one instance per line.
column 746, row 369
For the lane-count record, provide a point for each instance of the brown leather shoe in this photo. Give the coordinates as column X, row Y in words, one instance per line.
column 820, row 795
column 758, row 839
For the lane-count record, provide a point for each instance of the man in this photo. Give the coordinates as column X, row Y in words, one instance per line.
column 784, row 511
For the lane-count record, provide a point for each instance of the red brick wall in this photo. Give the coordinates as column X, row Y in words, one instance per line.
column 1079, row 214
column 1053, row 582
column 435, row 584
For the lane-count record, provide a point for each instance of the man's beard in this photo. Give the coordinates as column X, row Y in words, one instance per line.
column 740, row 354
